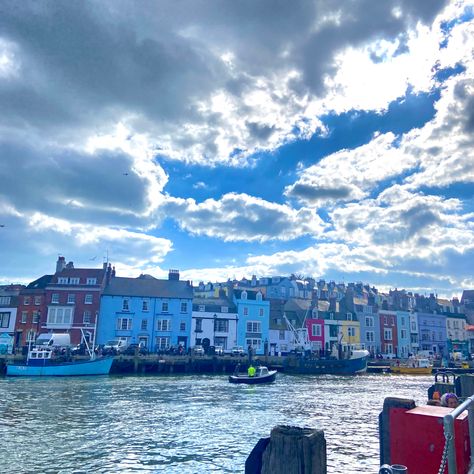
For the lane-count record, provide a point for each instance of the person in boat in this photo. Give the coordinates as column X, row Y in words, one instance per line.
column 449, row 400
column 251, row 371
column 237, row 369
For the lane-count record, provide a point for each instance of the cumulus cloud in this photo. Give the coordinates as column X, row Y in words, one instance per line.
column 240, row 217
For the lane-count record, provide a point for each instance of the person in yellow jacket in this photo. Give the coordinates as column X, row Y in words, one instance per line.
column 251, row 371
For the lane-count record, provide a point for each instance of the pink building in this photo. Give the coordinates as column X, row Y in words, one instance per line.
column 316, row 333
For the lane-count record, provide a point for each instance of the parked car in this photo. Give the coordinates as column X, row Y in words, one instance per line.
column 114, row 346
column 219, row 350
column 135, row 348
column 237, row 351
column 198, row 350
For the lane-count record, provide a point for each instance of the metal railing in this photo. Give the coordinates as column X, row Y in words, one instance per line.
column 448, row 422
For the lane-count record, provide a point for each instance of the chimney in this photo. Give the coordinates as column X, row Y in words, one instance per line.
column 113, row 272
column 60, row 264
column 173, row 275
column 70, row 265
column 104, row 266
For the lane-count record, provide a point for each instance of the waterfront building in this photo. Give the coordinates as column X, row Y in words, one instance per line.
column 214, row 322
column 432, row 333
column 31, row 305
column 8, row 312
column 457, row 337
column 253, row 319
column 73, row 299
column 155, row 313
column 403, row 347
column 369, row 328
column 281, row 288
column 414, row 334
column 388, row 333
column 350, row 331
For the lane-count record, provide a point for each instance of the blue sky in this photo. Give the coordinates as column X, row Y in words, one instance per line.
column 326, row 139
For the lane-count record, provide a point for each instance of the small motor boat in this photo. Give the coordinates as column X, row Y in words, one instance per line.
column 262, row 375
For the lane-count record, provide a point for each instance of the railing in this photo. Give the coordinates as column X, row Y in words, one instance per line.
column 448, row 422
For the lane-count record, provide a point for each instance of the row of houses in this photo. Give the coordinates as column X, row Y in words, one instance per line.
column 164, row 313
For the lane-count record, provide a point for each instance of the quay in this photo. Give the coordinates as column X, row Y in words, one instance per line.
column 172, row 364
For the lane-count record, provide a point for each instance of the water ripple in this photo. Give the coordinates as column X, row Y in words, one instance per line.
column 187, row 424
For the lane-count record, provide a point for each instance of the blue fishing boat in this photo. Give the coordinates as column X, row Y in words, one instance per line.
column 41, row 361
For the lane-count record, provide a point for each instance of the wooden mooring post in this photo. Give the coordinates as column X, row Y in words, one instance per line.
column 289, row 450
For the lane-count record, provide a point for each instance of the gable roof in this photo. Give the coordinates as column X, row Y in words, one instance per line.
column 148, row 288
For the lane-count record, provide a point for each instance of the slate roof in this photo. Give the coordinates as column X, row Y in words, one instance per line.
column 148, row 288
column 82, row 273
column 40, row 283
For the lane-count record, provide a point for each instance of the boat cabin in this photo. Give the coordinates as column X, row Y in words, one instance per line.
column 261, row 371
column 39, row 356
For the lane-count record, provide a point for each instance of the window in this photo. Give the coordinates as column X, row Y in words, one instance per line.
column 30, row 336
column 163, row 325
column 4, row 300
column 388, row 349
column 125, row 306
column 281, row 335
column 162, row 343
column 255, row 343
column 369, row 336
column 254, row 326
column 124, row 324
column 145, row 305
column 24, row 317
column 184, row 307
column 26, row 300
column 144, row 325
column 260, row 312
column 316, row 330
column 224, row 309
column 221, row 325
column 413, row 326
column 60, row 316
column 403, row 333
column 91, row 281
column 71, row 298
column 349, row 316
column 55, row 298
column 202, row 308
column 259, row 296
column 246, row 311
column 182, row 326
column 37, row 300
column 387, row 334
column 369, row 321
column 351, row 332
column 164, row 307
column 88, row 298
column 403, row 321
column 244, row 295
column 86, row 317
column 62, row 281
column 74, row 281
column 35, row 317
column 198, row 325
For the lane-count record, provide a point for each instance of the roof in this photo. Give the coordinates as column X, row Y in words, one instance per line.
column 40, row 283
column 251, row 294
column 80, row 273
column 148, row 288
column 467, row 296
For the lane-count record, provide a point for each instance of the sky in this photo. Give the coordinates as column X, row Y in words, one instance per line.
column 325, row 138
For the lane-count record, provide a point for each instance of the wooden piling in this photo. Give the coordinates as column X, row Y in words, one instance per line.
column 289, row 450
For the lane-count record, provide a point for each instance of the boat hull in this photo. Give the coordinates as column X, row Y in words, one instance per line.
column 253, row 380
column 412, row 370
column 303, row 365
column 90, row 367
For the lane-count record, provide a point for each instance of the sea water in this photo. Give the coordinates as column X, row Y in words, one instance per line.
column 187, row 424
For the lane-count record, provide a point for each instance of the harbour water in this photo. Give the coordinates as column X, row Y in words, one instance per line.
column 187, row 424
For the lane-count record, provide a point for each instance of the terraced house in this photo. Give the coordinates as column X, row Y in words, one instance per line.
column 155, row 313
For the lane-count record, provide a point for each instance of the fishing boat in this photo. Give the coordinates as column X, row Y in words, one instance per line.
column 41, row 361
column 262, row 375
column 355, row 363
column 413, row 367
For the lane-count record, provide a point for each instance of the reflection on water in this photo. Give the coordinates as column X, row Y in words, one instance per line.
column 187, row 424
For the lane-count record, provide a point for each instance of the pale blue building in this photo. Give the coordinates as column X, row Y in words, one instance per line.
column 432, row 333
column 404, row 334
column 253, row 320
column 155, row 313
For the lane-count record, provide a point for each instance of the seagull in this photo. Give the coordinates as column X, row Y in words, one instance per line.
column 125, row 174
column 2, row 225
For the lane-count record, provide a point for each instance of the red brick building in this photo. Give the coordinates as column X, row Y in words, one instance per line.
column 388, row 332
column 73, row 299
column 31, row 305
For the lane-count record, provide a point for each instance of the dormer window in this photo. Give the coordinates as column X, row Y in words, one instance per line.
column 224, row 309
column 244, row 295
column 259, row 296
column 74, row 281
column 349, row 316
column 202, row 308
column 125, row 305
column 91, row 281
column 62, row 281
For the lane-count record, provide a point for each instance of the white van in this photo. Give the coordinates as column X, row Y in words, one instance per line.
column 53, row 340
column 425, row 354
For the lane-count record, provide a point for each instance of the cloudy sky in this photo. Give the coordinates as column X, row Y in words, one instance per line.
column 328, row 138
